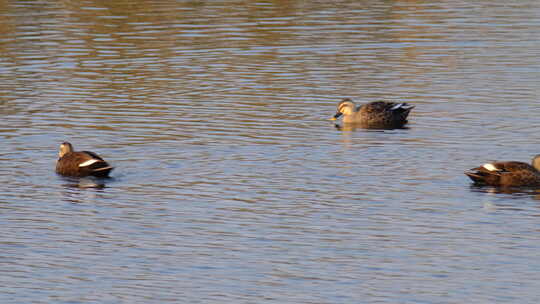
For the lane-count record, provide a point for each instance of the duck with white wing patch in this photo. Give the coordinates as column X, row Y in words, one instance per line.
column 507, row 174
column 377, row 114
column 81, row 163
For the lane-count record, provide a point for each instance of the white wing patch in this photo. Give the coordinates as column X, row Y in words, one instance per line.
column 104, row 168
column 88, row 162
column 490, row 167
column 399, row 105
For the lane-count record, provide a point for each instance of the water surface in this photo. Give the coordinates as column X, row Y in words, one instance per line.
column 231, row 184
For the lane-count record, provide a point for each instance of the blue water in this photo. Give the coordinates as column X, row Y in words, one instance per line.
column 232, row 186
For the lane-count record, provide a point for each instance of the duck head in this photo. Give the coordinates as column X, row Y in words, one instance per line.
column 345, row 107
column 65, row 148
column 536, row 162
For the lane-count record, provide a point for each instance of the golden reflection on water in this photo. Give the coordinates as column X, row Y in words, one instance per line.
column 215, row 114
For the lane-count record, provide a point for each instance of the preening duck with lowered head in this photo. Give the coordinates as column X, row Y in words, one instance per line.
column 507, row 174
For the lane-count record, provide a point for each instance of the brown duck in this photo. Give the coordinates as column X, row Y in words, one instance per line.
column 507, row 174
column 80, row 164
column 377, row 114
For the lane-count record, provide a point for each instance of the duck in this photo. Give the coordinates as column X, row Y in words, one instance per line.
column 81, row 163
column 376, row 114
column 507, row 174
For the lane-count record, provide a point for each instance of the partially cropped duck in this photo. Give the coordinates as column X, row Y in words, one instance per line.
column 80, row 164
column 377, row 114
column 507, row 174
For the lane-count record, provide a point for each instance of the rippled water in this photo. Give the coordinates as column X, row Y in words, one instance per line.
column 231, row 184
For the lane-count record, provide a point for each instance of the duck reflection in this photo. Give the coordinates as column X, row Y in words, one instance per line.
column 514, row 192
column 349, row 127
column 85, row 182
column 83, row 190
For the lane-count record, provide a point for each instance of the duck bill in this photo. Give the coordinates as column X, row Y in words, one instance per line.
column 338, row 114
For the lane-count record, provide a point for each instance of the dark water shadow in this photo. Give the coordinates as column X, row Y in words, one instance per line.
column 348, row 127
column 511, row 192
column 84, row 190
column 89, row 182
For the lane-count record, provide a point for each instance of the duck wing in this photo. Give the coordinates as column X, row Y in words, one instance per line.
column 385, row 106
column 94, row 165
column 389, row 114
column 82, row 164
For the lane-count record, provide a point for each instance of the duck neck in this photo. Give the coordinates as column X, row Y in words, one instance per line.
column 536, row 162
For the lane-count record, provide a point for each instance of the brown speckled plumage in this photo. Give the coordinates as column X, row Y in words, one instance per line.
column 507, row 174
column 377, row 114
column 69, row 163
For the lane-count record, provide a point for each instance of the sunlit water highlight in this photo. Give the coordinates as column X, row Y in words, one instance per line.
column 231, row 184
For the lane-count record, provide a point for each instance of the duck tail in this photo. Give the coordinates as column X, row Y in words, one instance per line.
column 475, row 177
column 403, row 109
column 402, row 106
column 96, row 167
column 102, row 171
column 481, row 177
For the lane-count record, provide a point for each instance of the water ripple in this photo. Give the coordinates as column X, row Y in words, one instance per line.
column 232, row 185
